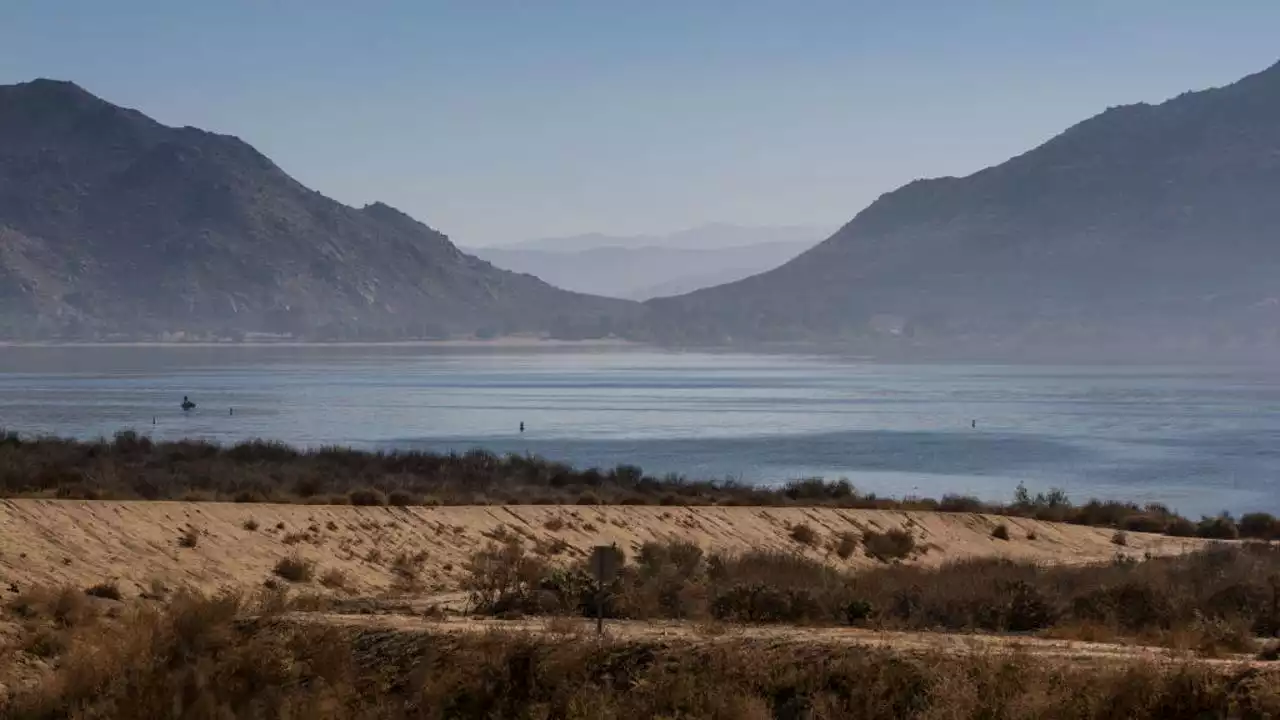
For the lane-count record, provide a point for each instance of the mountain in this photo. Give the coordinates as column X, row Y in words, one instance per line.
column 113, row 225
column 713, row 236
column 1146, row 230
column 642, row 272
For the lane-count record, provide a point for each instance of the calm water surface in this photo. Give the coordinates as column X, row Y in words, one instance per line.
column 1202, row 440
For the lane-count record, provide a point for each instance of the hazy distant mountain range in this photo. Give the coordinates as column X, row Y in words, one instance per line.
column 113, row 225
column 1149, row 229
column 642, row 267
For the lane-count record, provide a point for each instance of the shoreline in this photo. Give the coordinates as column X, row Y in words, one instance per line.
column 497, row 343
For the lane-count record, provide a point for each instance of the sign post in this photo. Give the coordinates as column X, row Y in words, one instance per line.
column 604, row 566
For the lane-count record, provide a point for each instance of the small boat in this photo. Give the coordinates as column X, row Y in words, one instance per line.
column 186, row 403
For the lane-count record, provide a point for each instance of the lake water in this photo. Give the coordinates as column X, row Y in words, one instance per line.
column 1199, row 439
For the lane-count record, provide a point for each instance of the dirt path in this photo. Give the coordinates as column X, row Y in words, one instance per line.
column 697, row 633
column 213, row 545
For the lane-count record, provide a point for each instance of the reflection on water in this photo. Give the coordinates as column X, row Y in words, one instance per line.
column 1200, row 439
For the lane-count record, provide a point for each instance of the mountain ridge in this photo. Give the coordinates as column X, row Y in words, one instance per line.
column 114, row 225
column 1145, row 226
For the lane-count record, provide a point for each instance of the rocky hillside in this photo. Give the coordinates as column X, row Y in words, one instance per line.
column 1148, row 229
column 113, row 225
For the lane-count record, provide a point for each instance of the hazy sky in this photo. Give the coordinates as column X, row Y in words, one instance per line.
column 499, row 121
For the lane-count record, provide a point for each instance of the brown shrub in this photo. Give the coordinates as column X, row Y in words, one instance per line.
column 804, row 534
column 295, row 569
column 334, row 579
column 1218, row 528
column 893, row 544
column 367, row 497
column 402, row 498
column 1001, row 532
column 106, row 590
column 196, row 658
column 250, row 524
column 189, row 538
column 847, row 545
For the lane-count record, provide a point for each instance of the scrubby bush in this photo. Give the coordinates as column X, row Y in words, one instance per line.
column 804, row 534
column 893, row 544
column 107, row 590
column 200, row 657
column 295, row 569
column 1221, row 527
column 367, row 497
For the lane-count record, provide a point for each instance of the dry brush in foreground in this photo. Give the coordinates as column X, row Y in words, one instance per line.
column 221, row 657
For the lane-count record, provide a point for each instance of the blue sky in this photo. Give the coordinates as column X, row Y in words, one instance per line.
column 500, row 121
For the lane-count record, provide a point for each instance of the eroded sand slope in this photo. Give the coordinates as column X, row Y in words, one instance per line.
column 44, row 542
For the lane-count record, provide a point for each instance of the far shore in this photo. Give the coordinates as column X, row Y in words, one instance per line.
column 498, row 343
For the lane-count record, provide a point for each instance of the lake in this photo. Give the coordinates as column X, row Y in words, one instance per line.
column 1201, row 440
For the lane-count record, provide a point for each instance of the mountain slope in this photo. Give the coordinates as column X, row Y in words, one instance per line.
column 1145, row 228
column 644, row 272
column 111, row 223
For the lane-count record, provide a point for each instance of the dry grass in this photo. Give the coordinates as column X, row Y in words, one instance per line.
column 226, row 657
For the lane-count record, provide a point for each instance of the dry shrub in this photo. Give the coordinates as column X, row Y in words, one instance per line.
column 189, row 538
column 295, row 569
column 402, row 498
column 1120, row 538
column 334, row 579
column 893, row 544
column 250, row 524
column 846, row 545
column 106, row 590
column 367, row 497
column 64, row 607
column 804, row 534
column 1001, row 532
column 502, row 578
column 1205, row 594
column 45, row 642
column 406, row 571
column 554, row 524
column 203, row 657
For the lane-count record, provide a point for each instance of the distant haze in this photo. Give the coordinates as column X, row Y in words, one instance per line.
column 640, row 267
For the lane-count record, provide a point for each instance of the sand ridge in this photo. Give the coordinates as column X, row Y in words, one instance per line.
column 81, row 543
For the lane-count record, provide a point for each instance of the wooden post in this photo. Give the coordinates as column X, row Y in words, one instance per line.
column 604, row 566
